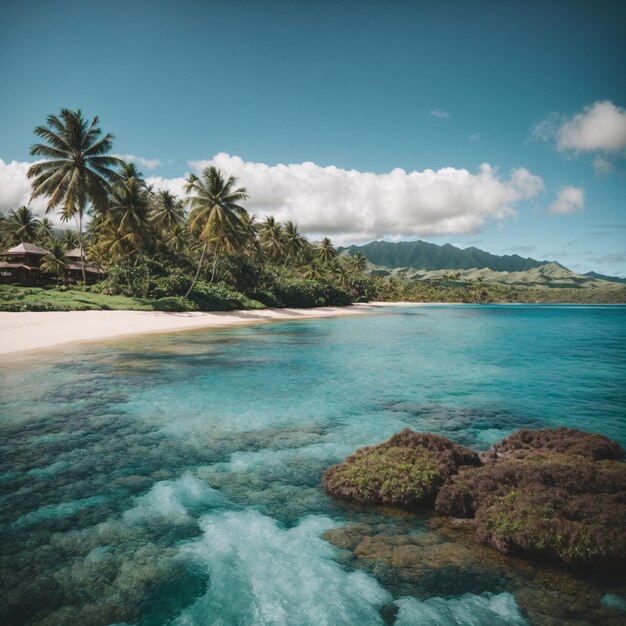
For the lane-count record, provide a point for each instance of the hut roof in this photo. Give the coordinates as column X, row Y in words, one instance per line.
column 24, row 248
column 14, row 266
column 73, row 254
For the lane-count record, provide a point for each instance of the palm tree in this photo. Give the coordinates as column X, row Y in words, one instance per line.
column 326, row 250
column 54, row 262
column 129, row 232
column 314, row 271
column 359, row 261
column 45, row 230
column 295, row 243
column 167, row 210
column 69, row 239
column 22, row 225
column 78, row 169
column 271, row 236
column 215, row 216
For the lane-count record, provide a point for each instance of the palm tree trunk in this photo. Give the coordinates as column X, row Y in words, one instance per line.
column 214, row 268
column 80, row 243
column 195, row 278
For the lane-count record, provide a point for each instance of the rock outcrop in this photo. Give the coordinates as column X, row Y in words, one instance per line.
column 408, row 470
column 553, row 493
column 557, row 493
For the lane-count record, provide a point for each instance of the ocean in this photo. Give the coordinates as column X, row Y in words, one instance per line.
column 175, row 479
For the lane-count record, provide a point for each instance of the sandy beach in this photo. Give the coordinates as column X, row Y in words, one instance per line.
column 28, row 331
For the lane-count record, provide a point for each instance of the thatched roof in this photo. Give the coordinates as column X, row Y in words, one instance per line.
column 73, row 254
column 24, row 248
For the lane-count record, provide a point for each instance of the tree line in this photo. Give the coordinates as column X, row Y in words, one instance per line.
column 125, row 226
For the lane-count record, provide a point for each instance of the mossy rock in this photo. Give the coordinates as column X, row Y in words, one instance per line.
column 406, row 471
column 544, row 442
column 540, row 495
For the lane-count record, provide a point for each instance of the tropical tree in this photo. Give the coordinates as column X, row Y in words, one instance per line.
column 326, row 250
column 45, row 230
column 22, row 225
column 77, row 168
column 127, row 231
column 314, row 271
column 271, row 237
column 54, row 262
column 359, row 261
column 216, row 215
column 294, row 242
column 166, row 211
column 69, row 239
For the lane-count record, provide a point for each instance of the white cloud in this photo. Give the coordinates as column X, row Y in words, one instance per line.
column 442, row 115
column 568, row 200
column 474, row 137
column 148, row 164
column 173, row 185
column 601, row 126
column 15, row 188
column 602, row 165
column 598, row 129
column 349, row 204
column 365, row 205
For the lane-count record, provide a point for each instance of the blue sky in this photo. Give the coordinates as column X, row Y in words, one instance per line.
column 364, row 87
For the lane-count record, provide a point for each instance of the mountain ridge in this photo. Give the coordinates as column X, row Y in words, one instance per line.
column 421, row 260
column 423, row 255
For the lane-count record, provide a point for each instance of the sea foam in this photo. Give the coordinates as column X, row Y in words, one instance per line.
column 262, row 573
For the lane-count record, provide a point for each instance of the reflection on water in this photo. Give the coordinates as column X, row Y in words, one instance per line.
column 175, row 479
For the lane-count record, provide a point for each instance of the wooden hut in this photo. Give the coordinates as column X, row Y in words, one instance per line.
column 21, row 264
column 74, row 268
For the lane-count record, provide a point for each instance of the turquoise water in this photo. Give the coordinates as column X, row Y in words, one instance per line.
column 176, row 479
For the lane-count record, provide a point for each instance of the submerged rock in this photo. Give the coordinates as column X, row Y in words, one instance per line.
column 554, row 493
column 407, row 470
column 525, row 444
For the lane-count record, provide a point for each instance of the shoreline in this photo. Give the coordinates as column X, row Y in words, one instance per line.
column 26, row 332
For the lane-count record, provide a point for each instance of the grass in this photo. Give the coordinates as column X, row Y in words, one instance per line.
column 14, row 298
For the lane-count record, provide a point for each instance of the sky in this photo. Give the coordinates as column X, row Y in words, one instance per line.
column 495, row 124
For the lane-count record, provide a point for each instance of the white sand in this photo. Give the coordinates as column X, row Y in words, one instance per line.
column 22, row 332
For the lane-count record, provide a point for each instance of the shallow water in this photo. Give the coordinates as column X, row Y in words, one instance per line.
column 176, row 479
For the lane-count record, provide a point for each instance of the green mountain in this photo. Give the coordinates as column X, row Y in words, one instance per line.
column 422, row 255
column 420, row 260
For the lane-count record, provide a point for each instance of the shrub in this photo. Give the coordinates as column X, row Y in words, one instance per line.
column 220, row 298
column 307, row 293
column 174, row 304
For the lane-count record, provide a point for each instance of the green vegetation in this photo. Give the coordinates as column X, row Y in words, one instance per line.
column 204, row 251
column 395, row 290
column 407, row 470
column 399, row 475
column 216, row 256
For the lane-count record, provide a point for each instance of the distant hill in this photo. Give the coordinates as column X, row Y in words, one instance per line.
column 430, row 256
column 611, row 279
column 428, row 261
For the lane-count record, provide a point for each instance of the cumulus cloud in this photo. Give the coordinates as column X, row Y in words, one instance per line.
column 148, row 164
column 599, row 129
column 438, row 113
column 15, row 188
column 366, row 205
column 349, row 204
column 601, row 126
column 568, row 200
column 173, row 185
